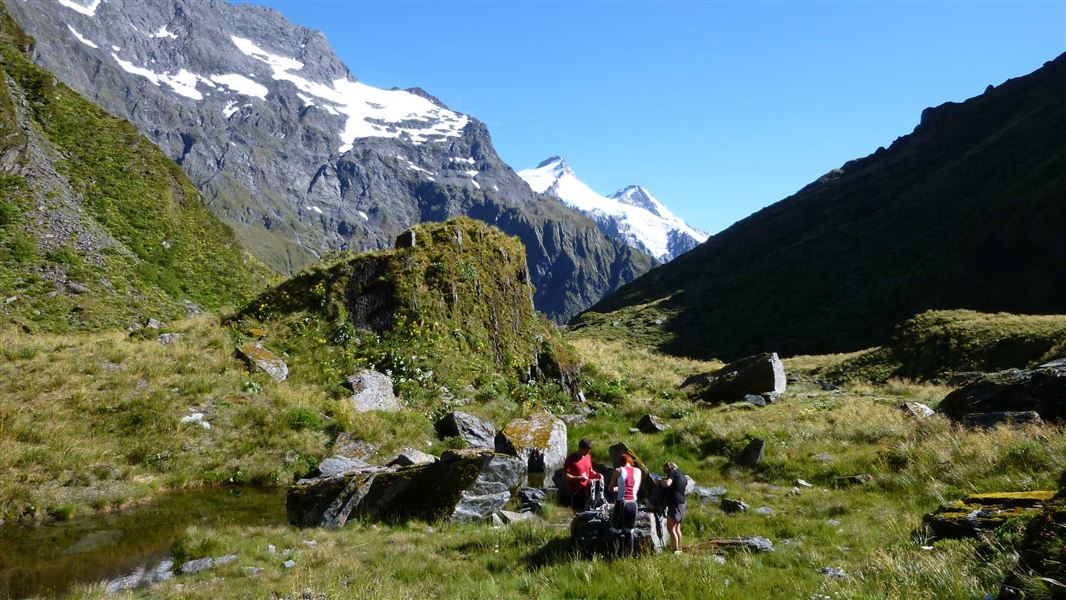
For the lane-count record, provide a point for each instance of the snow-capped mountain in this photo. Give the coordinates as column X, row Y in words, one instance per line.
column 631, row 214
column 297, row 154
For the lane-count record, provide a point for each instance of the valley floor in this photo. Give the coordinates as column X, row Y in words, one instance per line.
column 95, row 421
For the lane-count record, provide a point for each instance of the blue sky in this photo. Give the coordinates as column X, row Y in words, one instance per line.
column 719, row 108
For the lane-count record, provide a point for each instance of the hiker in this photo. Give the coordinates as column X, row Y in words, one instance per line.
column 577, row 470
column 675, row 482
column 625, row 482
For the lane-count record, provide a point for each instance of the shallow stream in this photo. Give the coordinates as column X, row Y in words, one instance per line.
column 125, row 549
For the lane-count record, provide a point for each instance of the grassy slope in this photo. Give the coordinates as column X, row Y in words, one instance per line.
column 172, row 249
column 916, row 465
column 962, row 213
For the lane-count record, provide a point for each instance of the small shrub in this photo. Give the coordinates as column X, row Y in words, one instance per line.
column 303, row 418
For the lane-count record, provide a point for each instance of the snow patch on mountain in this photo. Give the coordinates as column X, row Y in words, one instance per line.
column 183, row 82
column 370, row 111
column 163, row 33
column 631, row 214
column 88, row 10
column 241, row 84
column 81, row 38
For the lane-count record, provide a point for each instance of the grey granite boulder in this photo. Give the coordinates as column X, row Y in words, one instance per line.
column 539, row 440
column 412, row 456
column 372, row 391
column 475, row 431
column 260, row 358
column 753, row 375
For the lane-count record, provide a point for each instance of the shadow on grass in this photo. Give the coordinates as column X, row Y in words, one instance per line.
column 556, row 552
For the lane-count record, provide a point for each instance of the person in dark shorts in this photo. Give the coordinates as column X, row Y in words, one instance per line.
column 577, row 470
column 675, row 483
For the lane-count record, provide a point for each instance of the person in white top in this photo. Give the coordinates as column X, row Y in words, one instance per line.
column 625, row 483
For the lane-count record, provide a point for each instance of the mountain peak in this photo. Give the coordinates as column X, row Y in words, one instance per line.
column 553, row 161
column 636, row 195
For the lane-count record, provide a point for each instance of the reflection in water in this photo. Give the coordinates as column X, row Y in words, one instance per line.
column 126, row 549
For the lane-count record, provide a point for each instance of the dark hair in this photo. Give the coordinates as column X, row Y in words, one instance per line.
column 627, row 458
column 585, row 443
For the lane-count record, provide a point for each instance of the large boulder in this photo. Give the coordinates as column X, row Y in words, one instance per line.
column 539, row 440
column 372, row 391
column 465, row 484
column 592, row 533
column 260, row 358
column 475, row 431
column 755, row 375
column 1042, row 390
column 977, row 513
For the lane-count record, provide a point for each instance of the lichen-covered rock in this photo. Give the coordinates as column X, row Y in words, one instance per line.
column 335, row 465
column 539, row 440
column 412, row 456
column 592, row 533
column 264, row 360
column 982, row 512
column 755, row 375
column 1042, row 390
column 474, row 431
column 1041, row 567
column 373, row 391
column 459, row 481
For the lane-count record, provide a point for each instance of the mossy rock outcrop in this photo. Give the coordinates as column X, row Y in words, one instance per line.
column 1041, row 568
column 978, row 513
column 1041, row 390
column 539, row 440
column 455, row 487
column 451, row 310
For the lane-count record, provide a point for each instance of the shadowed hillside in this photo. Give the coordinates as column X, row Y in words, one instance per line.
column 965, row 212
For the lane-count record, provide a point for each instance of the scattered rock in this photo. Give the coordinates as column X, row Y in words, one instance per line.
column 10, row 299
column 310, row 543
column 153, row 323
column 1040, row 390
column 751, row 543
column 916, row 410
column 289, row 564
column 509, row 517
column 823, row 457
column 271, row 548
column 539, row 440
column 264, row 360
column 995, row 419
column 803, row 483
column 859, row 479
column 771, row 397
column 412, row 456
column 826, row 386
column 347, row 446
column 832, row 522
column 77, row 288
column 731, row 505
column 406, row 239
column 755, row 400
column 249, row 571
column 168, row 338
column 1055, row 364
column 634, row 430
column 197, row 418
column 225, row 560
column 765, row 511
column 751, row 375
column 961, row 379
column 372, row 391
column 983, row 512
column 195, row 566
column 574, row 419
column 752, row 454
column 475, row 431
column 651, row 424
column 706, row 494
column 836, row 572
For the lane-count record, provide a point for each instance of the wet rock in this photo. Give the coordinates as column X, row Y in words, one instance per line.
column 916, row 410
column 995, row 419
column 462, row 485
column 592, row 533
column 412, row 456
column 539, row 440
column 268, row 362
column 1039, row 390
column 372, row 391
column 752, row 454
column 475, row 431
column 731, row 505
column 651, row 424
column 751, row 375
column 983, row 512
column 195, row 566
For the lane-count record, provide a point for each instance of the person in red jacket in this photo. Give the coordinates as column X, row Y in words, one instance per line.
column 577, row 470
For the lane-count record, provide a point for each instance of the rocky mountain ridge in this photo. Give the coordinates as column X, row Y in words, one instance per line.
column 296, row 153
column 631, row 214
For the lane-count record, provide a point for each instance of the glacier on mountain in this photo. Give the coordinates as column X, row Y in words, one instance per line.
column 631, row 214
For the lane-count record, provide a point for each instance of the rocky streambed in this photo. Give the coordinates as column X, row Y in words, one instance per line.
column 127, row 549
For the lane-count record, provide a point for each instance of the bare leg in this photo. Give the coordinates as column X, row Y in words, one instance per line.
column 672, row 527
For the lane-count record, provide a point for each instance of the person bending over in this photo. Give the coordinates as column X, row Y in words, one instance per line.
column 577, row 470
column 675, row 483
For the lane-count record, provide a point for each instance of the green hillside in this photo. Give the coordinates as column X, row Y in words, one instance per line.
column 97, row 227
column 965, row 212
